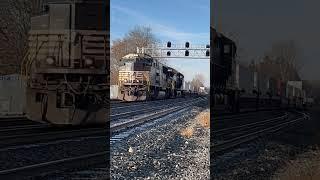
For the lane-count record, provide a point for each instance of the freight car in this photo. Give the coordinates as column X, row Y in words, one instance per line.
column 295, row 94
column 142, row 77
column 66, row 67
column 257, row 90
column 237, row 87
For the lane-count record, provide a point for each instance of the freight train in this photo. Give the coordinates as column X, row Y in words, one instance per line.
column 142, row 77
column 67, row 64
column 235, row 87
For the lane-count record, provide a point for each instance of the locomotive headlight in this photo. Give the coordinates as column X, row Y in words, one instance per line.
column 125, row 80
column 50, row 60
column 89, row 62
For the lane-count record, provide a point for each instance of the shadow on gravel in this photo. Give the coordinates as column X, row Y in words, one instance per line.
column 264, row 157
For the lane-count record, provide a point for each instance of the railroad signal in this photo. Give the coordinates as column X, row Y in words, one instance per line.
column 207, row 46
column 168, row 44
column 186, row 53
column 46, row 8
column 178, row 51
column 207, row 53
column 187, row 44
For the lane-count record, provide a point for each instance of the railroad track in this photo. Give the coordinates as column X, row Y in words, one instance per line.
column 88, row 160
column 243, row 112
column 154, row 115
column 143, row 109
column 38, row 133
column 137, row 103
column 252, row 114
column 53, row 135
column 249, row 132
column 234, row 131
column 23, row 129
column 123, row 104
column 145, row 104
column 15, row 121
column 225, row 123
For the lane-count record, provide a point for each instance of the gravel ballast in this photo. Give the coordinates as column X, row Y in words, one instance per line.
column 154, row 150
column 161, row 152
column 32, row 154
column 259, row 160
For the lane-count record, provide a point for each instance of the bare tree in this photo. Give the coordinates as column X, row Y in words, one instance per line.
column 284, row 58
column 14, row 27
column 197, row 82
column 139, row 36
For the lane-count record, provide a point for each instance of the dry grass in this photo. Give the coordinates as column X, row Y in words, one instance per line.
column 187, row 132
column 306, row 167
column 202, row 119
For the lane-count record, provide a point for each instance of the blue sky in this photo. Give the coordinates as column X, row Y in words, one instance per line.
column 177, row 21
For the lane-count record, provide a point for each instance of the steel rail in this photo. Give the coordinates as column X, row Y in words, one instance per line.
column 220, row 119
column 52, row 166
column 88, row 159
column 8, row 140
column 221, row 148
column 22, row 129
column 250, row 126
column 146, row 103
column 154, row 115
column 25, row 139
column 150, row 109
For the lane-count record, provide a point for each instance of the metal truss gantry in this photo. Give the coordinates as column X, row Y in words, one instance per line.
column 177, row 51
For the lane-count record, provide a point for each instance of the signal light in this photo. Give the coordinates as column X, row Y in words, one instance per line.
column 186, row 53
column 207, row 46
column 187, row 44
column 168, row 53
column 168, row 44
column 207, row 53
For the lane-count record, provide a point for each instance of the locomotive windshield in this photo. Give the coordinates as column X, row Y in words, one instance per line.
column 91, row 16
column 127, row 60
column 138, row 64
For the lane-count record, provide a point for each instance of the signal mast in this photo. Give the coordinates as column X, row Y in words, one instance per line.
column 176, row 51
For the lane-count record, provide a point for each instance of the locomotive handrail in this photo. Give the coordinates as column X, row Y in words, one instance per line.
column 27, row 61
